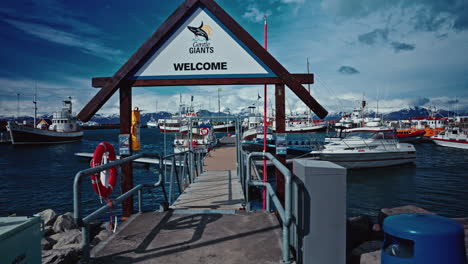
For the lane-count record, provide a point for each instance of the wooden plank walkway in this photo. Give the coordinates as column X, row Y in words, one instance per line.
column 218, row 188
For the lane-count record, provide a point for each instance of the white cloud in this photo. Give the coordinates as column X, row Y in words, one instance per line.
column 255, row 15
column 86, row 45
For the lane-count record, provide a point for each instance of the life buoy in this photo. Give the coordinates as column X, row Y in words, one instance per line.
column 104, row 182
column 204, row 131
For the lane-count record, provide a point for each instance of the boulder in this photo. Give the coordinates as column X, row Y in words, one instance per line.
column 358, row 231
column 48, row 216
column 407, row 209
column 61, row 256
column 63, row 223
column 371, row 257
column 48, row 231
column 47, row 243
column 367, row 247
column 66, row 238
column 103, row 235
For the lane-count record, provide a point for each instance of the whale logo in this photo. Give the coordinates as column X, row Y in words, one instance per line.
column 202, row 31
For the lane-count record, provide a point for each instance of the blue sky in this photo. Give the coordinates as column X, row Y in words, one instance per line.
column 400, row 52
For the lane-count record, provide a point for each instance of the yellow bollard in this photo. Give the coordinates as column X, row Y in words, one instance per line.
column 135, row 129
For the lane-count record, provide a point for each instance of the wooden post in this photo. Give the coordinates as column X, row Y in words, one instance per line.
column 126, row 181
column 280, row 117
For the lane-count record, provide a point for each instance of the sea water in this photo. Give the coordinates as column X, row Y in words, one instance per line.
column 34, row 178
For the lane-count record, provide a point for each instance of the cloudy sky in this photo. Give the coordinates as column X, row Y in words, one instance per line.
column 401, row 53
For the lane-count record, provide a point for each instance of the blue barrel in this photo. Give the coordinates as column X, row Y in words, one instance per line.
column 422, row 239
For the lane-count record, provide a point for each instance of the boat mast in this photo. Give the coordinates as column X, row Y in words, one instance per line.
column 18, row 106
column 35, row 104
column 309, row 117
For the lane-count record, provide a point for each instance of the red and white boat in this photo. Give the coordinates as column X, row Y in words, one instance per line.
column 453, row 137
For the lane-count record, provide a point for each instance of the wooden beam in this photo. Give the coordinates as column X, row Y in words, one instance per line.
column 126, row 180
column 99, row 82
column 280, row 120
column 266, row 57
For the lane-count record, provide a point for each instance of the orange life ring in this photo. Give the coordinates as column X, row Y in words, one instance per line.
column 109, row 177
column 204, row 131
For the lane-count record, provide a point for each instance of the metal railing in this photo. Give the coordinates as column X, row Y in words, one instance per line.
column 186, row 168
column 246, row 163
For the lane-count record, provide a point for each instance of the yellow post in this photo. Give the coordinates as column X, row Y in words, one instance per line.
column 135, row 129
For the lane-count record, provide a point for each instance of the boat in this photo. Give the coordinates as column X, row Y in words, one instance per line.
column 302, row 124
column 410, row 135
column 200, row 137
column 63, row 128
column 227, row 126
column 174, row 123
column 367, row 147
column 152, row 123
column 452, row 137
column 294, row 149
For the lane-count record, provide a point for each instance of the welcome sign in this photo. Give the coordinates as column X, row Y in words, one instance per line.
column 202, row 48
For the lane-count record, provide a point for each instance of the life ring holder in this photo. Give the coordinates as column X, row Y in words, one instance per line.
column 104, row 182
column 204, row 131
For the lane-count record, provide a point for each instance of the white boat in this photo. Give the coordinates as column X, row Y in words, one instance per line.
column 152, row 123
column 202, row 138
column 367, row 147
column 64, row 129
column 302, row 124
column 452, row 137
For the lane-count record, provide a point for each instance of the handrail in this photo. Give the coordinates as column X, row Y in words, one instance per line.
column 284, row 213
column 84, row 222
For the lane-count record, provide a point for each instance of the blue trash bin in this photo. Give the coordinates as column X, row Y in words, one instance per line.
column 422, row 239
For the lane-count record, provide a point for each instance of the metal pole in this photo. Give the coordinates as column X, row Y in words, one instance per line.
column 140, row 198
column 170, row 184
column 265, row 95
column 85, row 243
column 176, row 174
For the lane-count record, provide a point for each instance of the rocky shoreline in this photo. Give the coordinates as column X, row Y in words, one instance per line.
column 62, row 237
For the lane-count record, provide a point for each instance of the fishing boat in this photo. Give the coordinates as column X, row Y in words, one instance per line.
column 452, row 137
column 64, row 128
column 199, row 137
column 152, row 123
column 294, row 148
column 302, row 124
column 367, row 147
column 227, row 126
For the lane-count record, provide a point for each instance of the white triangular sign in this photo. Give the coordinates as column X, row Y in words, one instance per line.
column 202, row 48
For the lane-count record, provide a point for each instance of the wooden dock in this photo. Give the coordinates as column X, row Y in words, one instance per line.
column 217, row 189
column 206, row 224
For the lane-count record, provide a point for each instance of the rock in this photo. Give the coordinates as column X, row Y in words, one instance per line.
column 63, row 223
column 103, row 235
column 48, row 216
column 61, row 256
column 358, row 231
column 371, row 257
column 47, row 243
column 407, row 209
column 66, row 238
column 367, row 247
column 48, row 231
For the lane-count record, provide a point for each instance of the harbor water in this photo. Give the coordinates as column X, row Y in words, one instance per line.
column 33, row 178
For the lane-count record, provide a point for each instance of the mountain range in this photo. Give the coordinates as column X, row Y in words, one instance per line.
column 145, row 117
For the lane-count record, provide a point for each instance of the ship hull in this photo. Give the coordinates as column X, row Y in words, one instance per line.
column 369, row 160
column 451, row 143
column 22, row 135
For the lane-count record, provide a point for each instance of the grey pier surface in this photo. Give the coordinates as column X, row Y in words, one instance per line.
column 204, row 225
